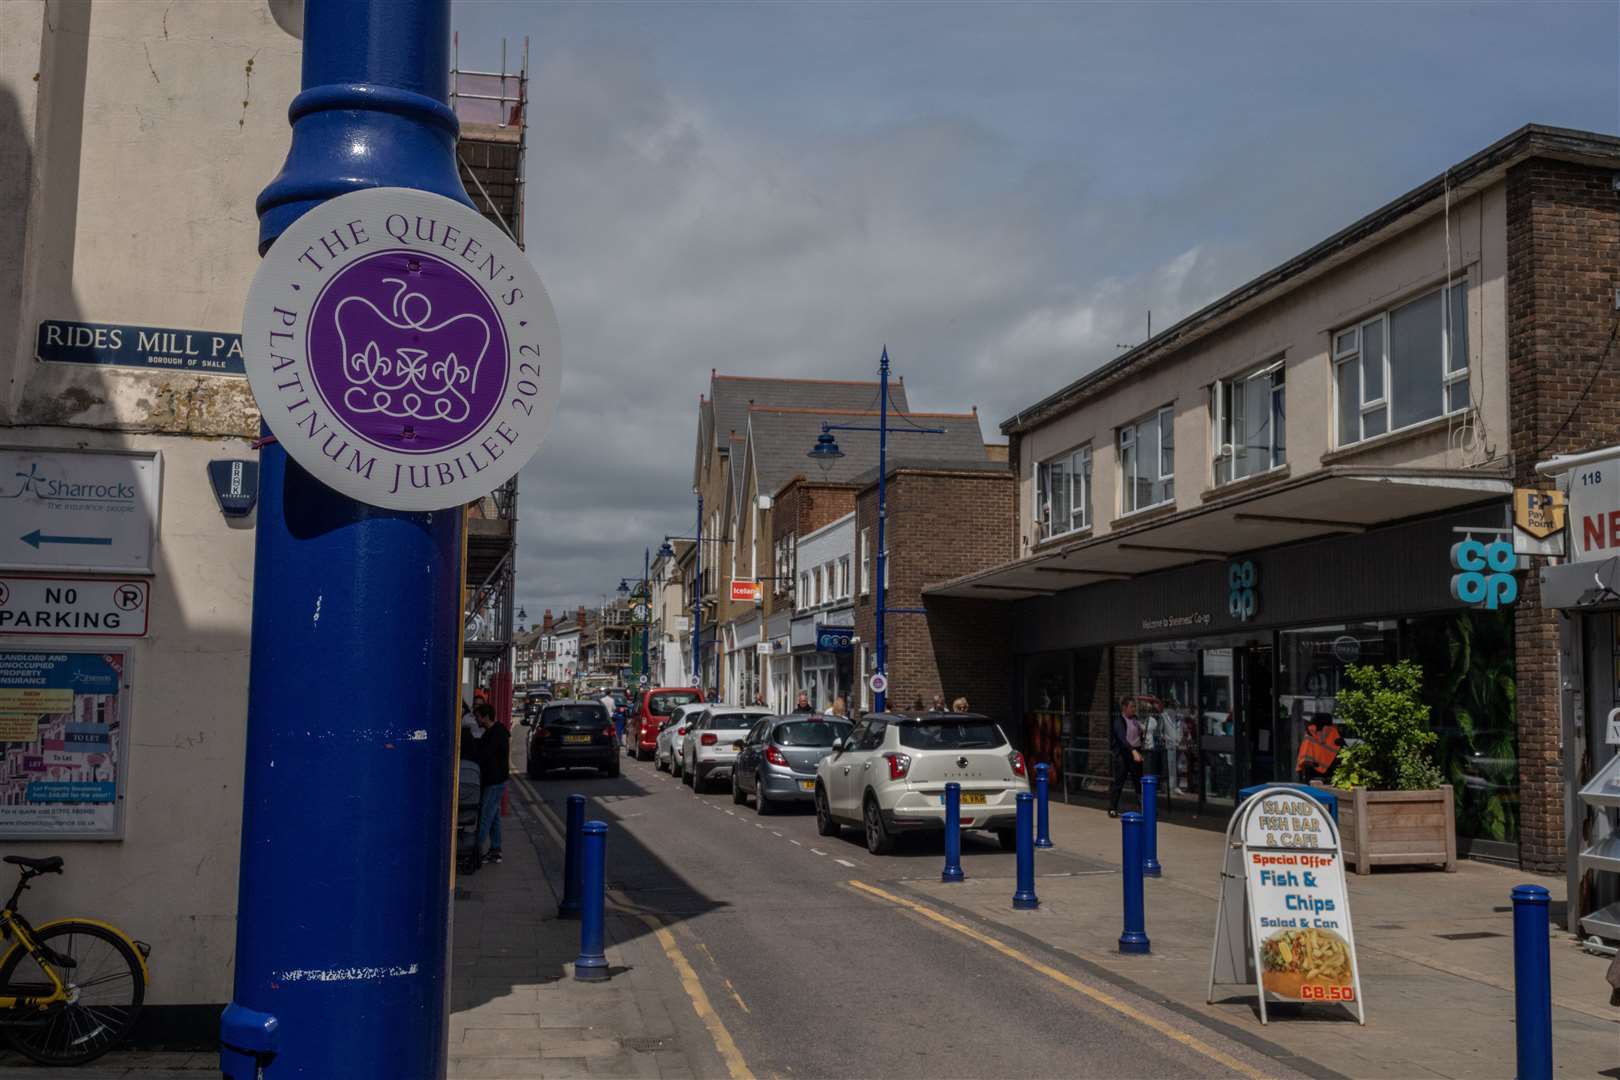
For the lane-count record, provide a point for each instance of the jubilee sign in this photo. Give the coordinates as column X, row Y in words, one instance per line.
column 402, row 349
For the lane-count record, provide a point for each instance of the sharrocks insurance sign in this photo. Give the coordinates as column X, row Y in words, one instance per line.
column 402, row 349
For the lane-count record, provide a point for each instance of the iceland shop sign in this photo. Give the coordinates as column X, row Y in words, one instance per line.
column 402, row 349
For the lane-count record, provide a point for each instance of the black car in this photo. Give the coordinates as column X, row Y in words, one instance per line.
column 570, row 735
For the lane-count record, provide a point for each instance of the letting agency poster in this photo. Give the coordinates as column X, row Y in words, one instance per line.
column 59, row 732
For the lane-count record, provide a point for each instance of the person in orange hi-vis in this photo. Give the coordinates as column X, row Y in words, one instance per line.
column 1318, row 749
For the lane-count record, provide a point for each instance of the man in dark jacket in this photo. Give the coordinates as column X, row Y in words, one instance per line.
column 494, row 763
column 1125, row 739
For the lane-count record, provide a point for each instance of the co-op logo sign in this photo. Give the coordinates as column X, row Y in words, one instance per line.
column 1484, row 573
column 1243, row 590
column 46, row 488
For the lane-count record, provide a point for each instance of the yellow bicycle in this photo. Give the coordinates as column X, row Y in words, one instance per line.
column 70, row 990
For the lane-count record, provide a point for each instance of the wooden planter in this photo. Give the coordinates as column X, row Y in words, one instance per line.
column 1397, row 828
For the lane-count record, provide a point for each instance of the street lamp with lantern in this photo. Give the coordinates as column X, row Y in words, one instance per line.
column 643, row 588
column 825, row 454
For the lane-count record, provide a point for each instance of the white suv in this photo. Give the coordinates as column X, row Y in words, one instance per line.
column 889, row 777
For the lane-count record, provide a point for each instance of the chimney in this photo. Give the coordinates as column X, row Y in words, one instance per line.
column 548, row 622
column 579, row 618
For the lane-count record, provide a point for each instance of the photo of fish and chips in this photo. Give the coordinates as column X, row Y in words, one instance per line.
column 1308, row 964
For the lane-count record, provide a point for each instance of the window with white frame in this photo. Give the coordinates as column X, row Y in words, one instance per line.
column 1063, row 494
column 1402, row 366
column 1249, row 423
column 803, row 599
column 866, row 561
column 1147, row 461
column 843, row 577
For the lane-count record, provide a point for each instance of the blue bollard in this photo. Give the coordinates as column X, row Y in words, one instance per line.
column 568, row 908
column 1134, row 939
column 953, row 833
column 591, row 965
column 1150, row 826
column 1025, row 899
column 1043, row 827
column 1532, row 982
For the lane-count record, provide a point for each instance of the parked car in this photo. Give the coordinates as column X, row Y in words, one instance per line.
column 889, row 777
column 709, row 749
column 673, row 732
column 655, row 706
column 777, row 759
column 573, row 734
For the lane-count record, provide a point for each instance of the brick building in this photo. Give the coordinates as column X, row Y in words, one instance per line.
column 1222, row 519
column 942, row 521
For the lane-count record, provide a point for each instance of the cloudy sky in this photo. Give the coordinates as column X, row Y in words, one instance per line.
column 1000, row 192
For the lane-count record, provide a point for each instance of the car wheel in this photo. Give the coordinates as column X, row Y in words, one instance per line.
column 878, row 840
column 825, row 825
column 738, row 795
column 689, row 776
column 675, row 766
column 611, row 770
column 534, row 768
column 762, row 805
column 658, row 762
column 1008, row 839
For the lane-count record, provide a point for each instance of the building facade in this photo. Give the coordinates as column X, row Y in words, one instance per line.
column 1221, row 520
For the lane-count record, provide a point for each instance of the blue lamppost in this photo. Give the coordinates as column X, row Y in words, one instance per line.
column 344, row 894
column 824, row 454
column 697, row 591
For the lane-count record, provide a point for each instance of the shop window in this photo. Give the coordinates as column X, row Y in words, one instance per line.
column 843, row 577
column 1147, row 461
column 1063, row 494
column 1402, row 366
column 1249, row 423
column 866, row 561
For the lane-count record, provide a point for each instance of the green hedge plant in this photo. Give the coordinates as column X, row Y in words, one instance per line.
column 1383, row 709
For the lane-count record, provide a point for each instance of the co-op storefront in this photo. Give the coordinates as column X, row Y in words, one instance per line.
column 1231, row 644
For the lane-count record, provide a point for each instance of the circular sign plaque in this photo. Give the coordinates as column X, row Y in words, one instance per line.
column 402, row 349
column 879, row 682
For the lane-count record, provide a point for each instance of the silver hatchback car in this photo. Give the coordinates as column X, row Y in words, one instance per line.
column 776, row 762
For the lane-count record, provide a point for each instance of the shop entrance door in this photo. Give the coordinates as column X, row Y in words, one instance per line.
column 1237, row 744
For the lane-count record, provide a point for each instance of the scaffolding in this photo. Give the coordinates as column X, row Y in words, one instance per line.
column 491, row 107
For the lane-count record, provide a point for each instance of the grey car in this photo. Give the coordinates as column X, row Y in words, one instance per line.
column 776, row 762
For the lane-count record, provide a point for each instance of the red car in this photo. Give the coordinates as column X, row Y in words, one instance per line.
column 641, row 734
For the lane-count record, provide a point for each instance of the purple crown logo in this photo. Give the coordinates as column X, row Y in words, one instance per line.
column 403, row 365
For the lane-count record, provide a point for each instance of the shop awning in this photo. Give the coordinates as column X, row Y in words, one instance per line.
column 1333, row 501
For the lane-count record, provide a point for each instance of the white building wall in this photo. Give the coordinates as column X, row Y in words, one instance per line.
column 134, row 138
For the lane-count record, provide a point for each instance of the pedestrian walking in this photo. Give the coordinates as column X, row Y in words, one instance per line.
column 759, row 699
column 1318, row 750
column 917, row 705
column 937, row 705
column 1125, row 739
column 802, row 705
column 959, row 705
column 840, row 707
column 614, row 714
column 494, row 764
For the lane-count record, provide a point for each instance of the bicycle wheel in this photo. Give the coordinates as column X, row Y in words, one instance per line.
column 106, row 986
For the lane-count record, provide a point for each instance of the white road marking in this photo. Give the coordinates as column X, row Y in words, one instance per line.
column 795, row 843
column 757, row 825
column 731, row 813
column 818, row 851
column 775, row 833
column 845, row 862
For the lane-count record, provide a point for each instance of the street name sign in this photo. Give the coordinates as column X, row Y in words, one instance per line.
column 196, row 352
column 77, row 606
column 78, row 510
column 1282, row 924
column 402, row 349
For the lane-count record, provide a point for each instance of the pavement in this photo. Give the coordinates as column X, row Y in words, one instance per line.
column 746, row 945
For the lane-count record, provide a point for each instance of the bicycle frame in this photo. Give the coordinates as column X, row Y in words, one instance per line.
column 12, row 924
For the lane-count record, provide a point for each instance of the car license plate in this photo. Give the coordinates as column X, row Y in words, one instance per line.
column 807, row 785
column 969, row 798
column 576, row 738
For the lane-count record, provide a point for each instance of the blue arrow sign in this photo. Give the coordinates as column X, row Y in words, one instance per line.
column 36, row 538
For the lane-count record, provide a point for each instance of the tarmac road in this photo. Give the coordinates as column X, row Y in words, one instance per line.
column 817, row 962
